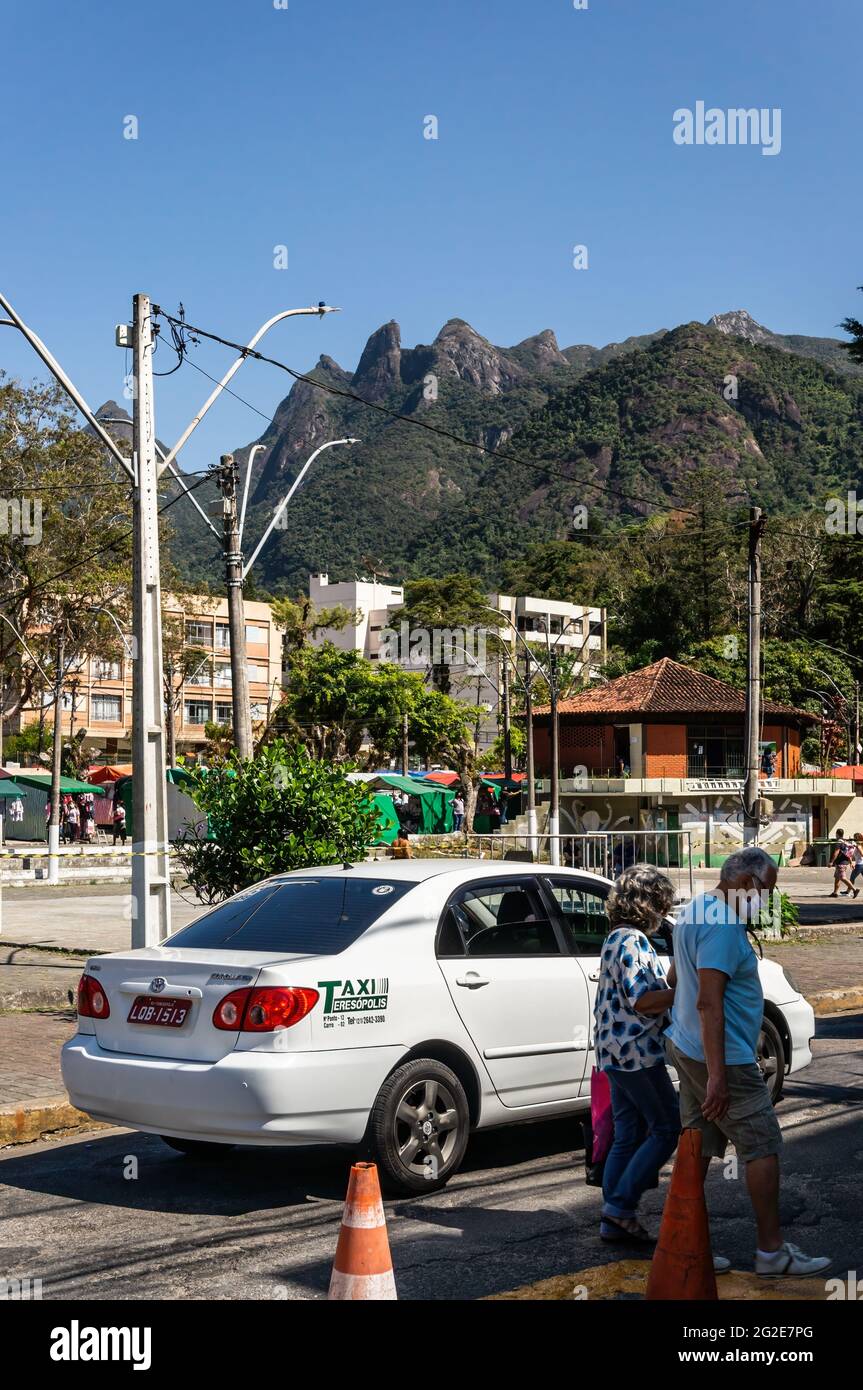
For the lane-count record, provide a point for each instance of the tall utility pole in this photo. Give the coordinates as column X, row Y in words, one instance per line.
column 554, row 807
column 531, row 772
column 242, row 712
column 507, row 726
column 405, row 745
column 151, row 875
column 856, row 758
column 56, row 754
column 751, row 808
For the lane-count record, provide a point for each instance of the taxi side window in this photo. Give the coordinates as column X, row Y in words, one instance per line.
column 506, row 919
column 583, row 914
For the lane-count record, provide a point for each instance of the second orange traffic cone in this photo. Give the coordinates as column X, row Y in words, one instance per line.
column 682, row 1265
column 363, row 1267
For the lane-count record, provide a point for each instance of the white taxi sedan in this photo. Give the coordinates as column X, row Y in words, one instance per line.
column 396, row 1006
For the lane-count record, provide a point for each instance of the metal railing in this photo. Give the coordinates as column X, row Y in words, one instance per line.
column 700, row 767
column 602, row 852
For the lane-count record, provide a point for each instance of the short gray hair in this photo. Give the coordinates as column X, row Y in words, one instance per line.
column 751, row 862
column 640, row 895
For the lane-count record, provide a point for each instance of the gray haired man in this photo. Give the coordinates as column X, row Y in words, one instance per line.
column 712, row 1042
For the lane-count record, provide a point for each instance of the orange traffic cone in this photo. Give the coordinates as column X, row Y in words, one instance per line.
column 363, row 1266
column 682, row 1265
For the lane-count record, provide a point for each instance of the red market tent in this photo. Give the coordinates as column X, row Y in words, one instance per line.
column 108, row 774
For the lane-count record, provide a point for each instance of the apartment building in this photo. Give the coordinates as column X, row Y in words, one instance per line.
column 97, row 696
column 575, row 631
column 372, row 599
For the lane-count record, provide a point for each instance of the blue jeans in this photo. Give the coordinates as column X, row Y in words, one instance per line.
column 646, row 1129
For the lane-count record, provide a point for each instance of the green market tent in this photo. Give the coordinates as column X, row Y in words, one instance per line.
column 11, row 790
column 68, row 785
column 34, row 789
column 388, row 821
column 434, row 801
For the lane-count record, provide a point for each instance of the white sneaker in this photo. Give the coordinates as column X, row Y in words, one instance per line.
column 789, row 1260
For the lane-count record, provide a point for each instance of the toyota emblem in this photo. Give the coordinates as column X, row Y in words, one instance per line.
column 158, row 984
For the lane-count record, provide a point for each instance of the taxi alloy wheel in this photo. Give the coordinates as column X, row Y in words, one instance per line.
column 771, row 1058
column 419, row 1126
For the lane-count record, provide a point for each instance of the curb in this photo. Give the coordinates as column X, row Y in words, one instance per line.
column 835, row 1001
column 23, row 1124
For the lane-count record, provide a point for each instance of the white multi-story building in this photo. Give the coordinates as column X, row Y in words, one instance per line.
column 372, row 600
column 570, row 628
column 574, row 630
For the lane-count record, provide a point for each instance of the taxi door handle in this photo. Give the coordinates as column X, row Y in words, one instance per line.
column 594, row 975
column 471, row 980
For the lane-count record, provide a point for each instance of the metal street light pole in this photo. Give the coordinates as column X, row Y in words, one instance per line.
column 319, row 310
column 286, row 499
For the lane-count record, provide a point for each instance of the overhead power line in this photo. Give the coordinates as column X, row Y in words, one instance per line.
column 439, row 430
column 109, row 545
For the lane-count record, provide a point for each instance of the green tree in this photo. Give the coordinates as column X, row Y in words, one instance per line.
column 277, row 811
column 301, row 621
column 329, row 702
column 441, row 606
column 855, row 328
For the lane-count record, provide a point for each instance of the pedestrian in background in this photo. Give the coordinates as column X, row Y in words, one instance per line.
column 400, row 847
column 633, row 997
column 457, row 812
column 118, row 823
column 856, row 861
column 840, row 861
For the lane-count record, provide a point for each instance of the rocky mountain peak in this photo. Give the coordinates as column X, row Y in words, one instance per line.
column 540, row 351
column 379, row 368
column 742, row 325
column 462, row 352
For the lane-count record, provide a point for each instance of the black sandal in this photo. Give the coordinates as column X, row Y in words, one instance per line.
column 621, row 1236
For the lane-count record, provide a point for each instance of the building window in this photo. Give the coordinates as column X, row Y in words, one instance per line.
column 223, row 637
column 198, row 711
column 199, row 634
column 105, row 670
column 224, row 713
column 257, row 672
column 222, row 676
column 714, row 750
column 105, row 709
column 256, row 633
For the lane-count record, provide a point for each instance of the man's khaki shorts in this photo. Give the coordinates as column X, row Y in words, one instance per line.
column 750, row 1123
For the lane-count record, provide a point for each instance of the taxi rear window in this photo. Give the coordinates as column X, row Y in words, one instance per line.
column 307, row 916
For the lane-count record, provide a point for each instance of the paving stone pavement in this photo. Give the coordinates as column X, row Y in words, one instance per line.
column 833, row 961
column 30, row 1054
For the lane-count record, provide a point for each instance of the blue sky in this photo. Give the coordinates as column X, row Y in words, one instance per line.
column 303, row 127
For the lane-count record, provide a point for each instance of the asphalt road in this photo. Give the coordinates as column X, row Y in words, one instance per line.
column 263, row 1224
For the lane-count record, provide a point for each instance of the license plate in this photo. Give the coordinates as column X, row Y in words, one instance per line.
column 166, row 1013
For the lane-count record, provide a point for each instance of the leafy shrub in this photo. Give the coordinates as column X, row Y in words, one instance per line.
column 278, row 811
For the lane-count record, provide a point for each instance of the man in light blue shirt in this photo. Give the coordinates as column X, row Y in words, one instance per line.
column 713, row 1044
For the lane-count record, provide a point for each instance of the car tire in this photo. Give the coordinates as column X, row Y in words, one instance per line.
column 197, row 1148
column 411, row 1157
column 771, row 1059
